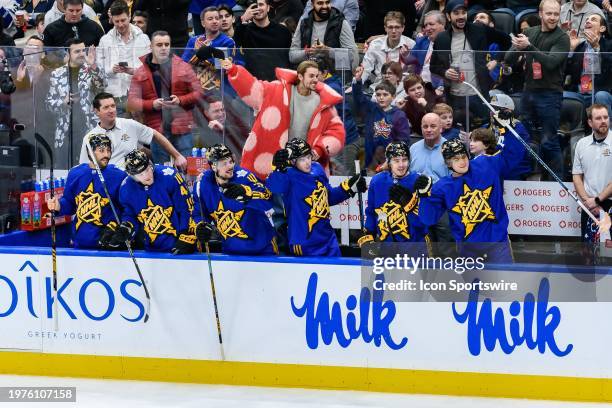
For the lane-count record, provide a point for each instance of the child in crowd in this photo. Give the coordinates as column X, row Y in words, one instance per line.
column 392, row 72
column 384, row 122
column 482, row 141
column 421, row 100
column 445, row 112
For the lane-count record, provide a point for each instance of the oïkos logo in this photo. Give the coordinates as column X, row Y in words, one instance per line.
column 330, row 322
column 492, row 327
column 69, row 307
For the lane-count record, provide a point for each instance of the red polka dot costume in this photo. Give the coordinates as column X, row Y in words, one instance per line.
column 270, row 100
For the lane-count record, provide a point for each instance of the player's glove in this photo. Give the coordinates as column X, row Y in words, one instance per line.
column 185, row 244
column 107, row 235
column 367, row 237
column 500, row 120
column 354, row 185
column 204, row 232
column 400, row 195
column 238, row 192
column 422, row 185
column 122, row 234
column 280, row 161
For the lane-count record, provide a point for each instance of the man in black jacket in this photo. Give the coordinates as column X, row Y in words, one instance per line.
column 324, row 30
column 73, row 25
column 466, row 61
column 265, row 43
column 169, row 16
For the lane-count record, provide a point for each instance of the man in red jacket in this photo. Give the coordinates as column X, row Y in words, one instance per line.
column 165, row 89
column 296, row 105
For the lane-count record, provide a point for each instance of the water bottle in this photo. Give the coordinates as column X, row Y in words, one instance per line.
column 37, row 210
column 45, row 185
column 38, row 186
column 203, row 150
column 195, row 152
column 26, row 215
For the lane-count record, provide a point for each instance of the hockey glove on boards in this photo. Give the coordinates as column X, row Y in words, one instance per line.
column 107, row 234
column 185, row 244
column 204, row 232
column 122, row 234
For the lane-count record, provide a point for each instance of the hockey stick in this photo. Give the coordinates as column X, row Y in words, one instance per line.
column 535, row 155
column 212, row 279
column 360, row 197
column 116, row 215
column 47, row 148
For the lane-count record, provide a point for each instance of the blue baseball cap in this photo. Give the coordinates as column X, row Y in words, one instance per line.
column 453, row 5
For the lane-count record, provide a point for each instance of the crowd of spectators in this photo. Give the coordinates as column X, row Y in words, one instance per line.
column 376, row 72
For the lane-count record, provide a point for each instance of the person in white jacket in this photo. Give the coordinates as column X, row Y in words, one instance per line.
column 57, row 11
column 119, row 52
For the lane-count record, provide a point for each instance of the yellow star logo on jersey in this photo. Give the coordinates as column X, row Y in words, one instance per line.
column 319, row 205
column 474, row 208
column 392, row 220
column 89, row 207
column 156, row 220
column 228, row 222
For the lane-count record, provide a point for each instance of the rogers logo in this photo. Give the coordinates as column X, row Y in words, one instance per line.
column 536, row 192
column 534, row 208
column 517, row 191
column 532, row 223
column 569, row 224
column 562, row 193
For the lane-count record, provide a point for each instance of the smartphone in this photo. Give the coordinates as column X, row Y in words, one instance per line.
column 168, row 98
column 123, row 64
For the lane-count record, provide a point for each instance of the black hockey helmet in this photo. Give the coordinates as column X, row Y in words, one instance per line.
column 297, row 148
column 136, row 162
column 452, row 148
column 218, row 152
column 397, row 149
column 96, row 140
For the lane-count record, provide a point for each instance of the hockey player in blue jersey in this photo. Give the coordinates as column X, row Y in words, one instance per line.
column 505, row 111
column 307, row 196
column 238, row 205
column 93, row 224
column 157, row 203
column 393, row 200
column 473, row 197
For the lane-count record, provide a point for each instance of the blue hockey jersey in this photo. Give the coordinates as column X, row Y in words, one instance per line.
column 474, row 201
column 524, row 165
column 307, row 198
column 386, row 219
column 84, row 197
column 162, row 210
column 246, row 229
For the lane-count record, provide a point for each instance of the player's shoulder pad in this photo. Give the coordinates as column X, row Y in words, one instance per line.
column 167, row 171
column 241, row 173
column 316, row 169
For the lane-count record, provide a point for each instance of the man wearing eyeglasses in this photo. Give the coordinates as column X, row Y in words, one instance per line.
column 387, row 48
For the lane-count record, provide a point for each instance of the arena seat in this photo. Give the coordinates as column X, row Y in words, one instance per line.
column 504, row 19
column 520, row 16
column 572, row 114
